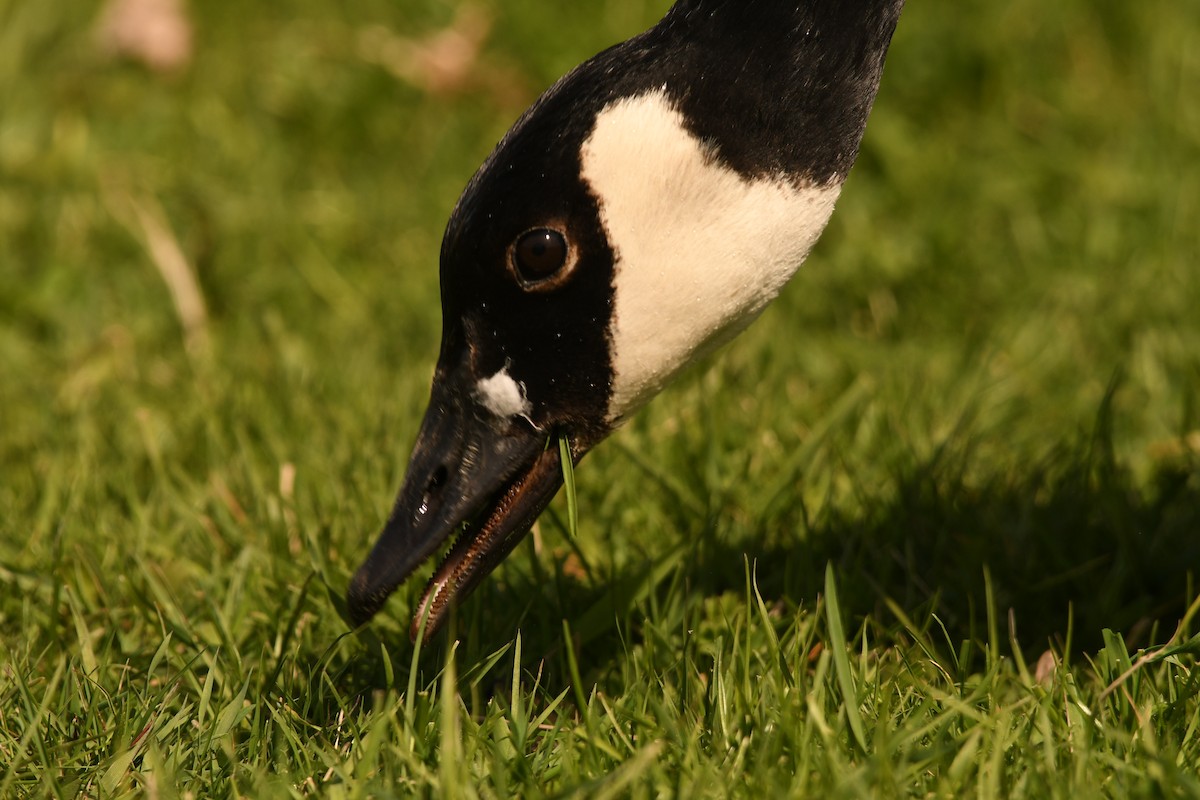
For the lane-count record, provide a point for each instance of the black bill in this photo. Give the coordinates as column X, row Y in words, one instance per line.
column 468, row 468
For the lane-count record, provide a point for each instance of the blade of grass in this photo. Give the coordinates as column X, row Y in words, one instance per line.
column 568, row 471
column 838, row 647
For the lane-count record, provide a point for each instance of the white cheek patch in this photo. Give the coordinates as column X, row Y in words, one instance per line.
column 699, row 249
column 503, row 396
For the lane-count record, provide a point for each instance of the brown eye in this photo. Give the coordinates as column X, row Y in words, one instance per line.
column 539, row 253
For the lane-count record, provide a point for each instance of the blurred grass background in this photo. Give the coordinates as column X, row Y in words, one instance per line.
column 991, row 361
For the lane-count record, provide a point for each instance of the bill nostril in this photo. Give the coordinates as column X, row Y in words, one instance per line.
column 436, row 481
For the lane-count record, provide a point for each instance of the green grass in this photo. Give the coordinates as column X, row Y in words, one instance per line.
column 979, row 403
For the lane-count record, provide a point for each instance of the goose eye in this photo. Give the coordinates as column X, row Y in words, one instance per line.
column 539, row 254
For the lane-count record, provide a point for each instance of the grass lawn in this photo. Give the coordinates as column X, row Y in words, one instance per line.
column 930, row 528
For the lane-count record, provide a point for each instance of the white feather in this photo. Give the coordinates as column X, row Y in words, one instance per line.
column 503, row 396
column 699, row 249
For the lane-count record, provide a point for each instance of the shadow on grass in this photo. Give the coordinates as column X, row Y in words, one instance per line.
column 1071, row 548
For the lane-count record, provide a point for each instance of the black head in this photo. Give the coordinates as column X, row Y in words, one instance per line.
column 526, row 281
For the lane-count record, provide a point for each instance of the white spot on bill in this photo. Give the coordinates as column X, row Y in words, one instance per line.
column 503, row 396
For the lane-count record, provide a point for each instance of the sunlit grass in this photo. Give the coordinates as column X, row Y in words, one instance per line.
column 930, row 528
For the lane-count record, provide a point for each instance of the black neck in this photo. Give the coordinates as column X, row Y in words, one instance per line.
column 840, row 18
column 801, row 72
